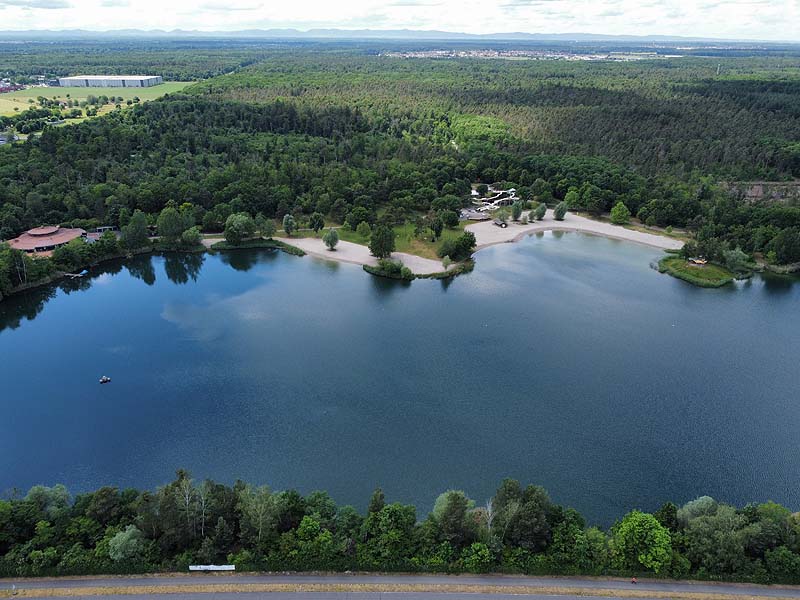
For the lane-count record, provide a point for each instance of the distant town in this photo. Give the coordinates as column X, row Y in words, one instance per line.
column 532, row 55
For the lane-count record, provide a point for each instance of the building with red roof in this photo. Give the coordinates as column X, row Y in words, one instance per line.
column 45, row 239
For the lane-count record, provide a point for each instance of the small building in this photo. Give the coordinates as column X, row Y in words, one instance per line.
column 45, row 238
column 121, row 81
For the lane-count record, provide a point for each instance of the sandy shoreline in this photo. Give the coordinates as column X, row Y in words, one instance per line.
column 486, row 234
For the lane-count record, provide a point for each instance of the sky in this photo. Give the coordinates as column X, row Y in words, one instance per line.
column 733, row 19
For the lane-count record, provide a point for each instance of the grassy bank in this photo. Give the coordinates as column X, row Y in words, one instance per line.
column 709, row 276
column 405, row 240
column 259, row 243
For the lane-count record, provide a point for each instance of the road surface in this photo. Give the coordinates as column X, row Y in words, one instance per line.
column 367, row 587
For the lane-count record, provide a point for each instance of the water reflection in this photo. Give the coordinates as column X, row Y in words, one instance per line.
column 778, row 284
column 141, row 267
column 26, row 305
column 181, row 267
column 244, row 260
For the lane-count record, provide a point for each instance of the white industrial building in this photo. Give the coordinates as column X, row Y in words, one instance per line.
column 123, row 81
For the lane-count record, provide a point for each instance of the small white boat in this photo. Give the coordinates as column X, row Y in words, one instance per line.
column 105, row 379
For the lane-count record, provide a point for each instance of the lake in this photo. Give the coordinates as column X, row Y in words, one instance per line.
column 564, row 360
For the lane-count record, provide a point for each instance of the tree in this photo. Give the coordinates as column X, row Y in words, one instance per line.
column 376, row 502
column 437, row 226
column 381, row 242
column 134, row 235
column 289, row 224
column 239, row 227
column 267, row 229
column 171, row 224
column 127, row 545
column 736, row 260
column 331, row 238
column 572, row 199
column 363, row 230
column 640, row 541
column 560, row 211
column 449, row 218
column 258, row 510
column 450, row 511
column 316, row 222
column 540, row 211
column 516, row 210
column 191, row 238
column 620, row 215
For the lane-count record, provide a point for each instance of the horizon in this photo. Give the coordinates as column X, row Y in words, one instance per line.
column 740, row 20
column 391, row 34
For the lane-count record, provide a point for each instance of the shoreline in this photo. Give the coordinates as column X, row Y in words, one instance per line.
column 488, row 234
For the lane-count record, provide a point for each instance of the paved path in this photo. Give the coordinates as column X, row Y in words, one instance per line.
column 488, row 234
column 546, row 584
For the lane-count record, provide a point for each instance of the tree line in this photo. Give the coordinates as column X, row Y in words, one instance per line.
column 519, row 530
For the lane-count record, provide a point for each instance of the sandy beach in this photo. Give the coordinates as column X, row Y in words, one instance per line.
column 357, row 254
column 488, row 234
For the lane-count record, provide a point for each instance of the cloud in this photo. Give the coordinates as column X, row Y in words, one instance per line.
column 114, row 3
column 28, row 4
column 219, row 6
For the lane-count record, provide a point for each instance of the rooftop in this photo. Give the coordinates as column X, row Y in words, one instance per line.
column 45, row 238
column 115, row 77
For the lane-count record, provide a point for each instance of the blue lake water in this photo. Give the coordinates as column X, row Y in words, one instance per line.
column 563, row 360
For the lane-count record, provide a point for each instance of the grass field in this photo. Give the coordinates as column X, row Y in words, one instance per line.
column 404, row 242
column 20, row 99
column 709, row 275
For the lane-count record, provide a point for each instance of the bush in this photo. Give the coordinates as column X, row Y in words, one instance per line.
column 191, row 237
column 560, row 211
column 620, row 215
column 364, row 230
column 239, row 227
column 476, row 558
column 458, row 249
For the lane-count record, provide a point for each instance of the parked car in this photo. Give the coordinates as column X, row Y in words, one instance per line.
column 500, row 223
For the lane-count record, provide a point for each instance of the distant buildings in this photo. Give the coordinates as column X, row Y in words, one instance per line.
column 123, row 81
column 45, row 239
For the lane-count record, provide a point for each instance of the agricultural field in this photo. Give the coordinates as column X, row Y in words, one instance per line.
column 16, row 102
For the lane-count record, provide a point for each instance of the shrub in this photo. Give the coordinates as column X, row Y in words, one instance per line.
column 363, row 229
column 238, row 227
column 560, row 211
column 191, row 237
column 620, row 215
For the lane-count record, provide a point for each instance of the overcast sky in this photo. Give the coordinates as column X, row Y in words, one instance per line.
column 743, row 19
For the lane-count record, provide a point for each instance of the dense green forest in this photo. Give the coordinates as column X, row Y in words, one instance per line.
column 173, row 60
column 661, row 116
column 520, row 530
column 358, row 136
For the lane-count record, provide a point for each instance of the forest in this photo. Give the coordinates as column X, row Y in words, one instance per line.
column 172, row 59
column 519, row 530
column 358, row 136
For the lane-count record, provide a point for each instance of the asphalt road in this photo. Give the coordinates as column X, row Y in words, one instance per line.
column 207, row 579
column 330, row 596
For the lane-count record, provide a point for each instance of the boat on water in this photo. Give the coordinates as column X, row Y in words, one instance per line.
column 105, row 379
